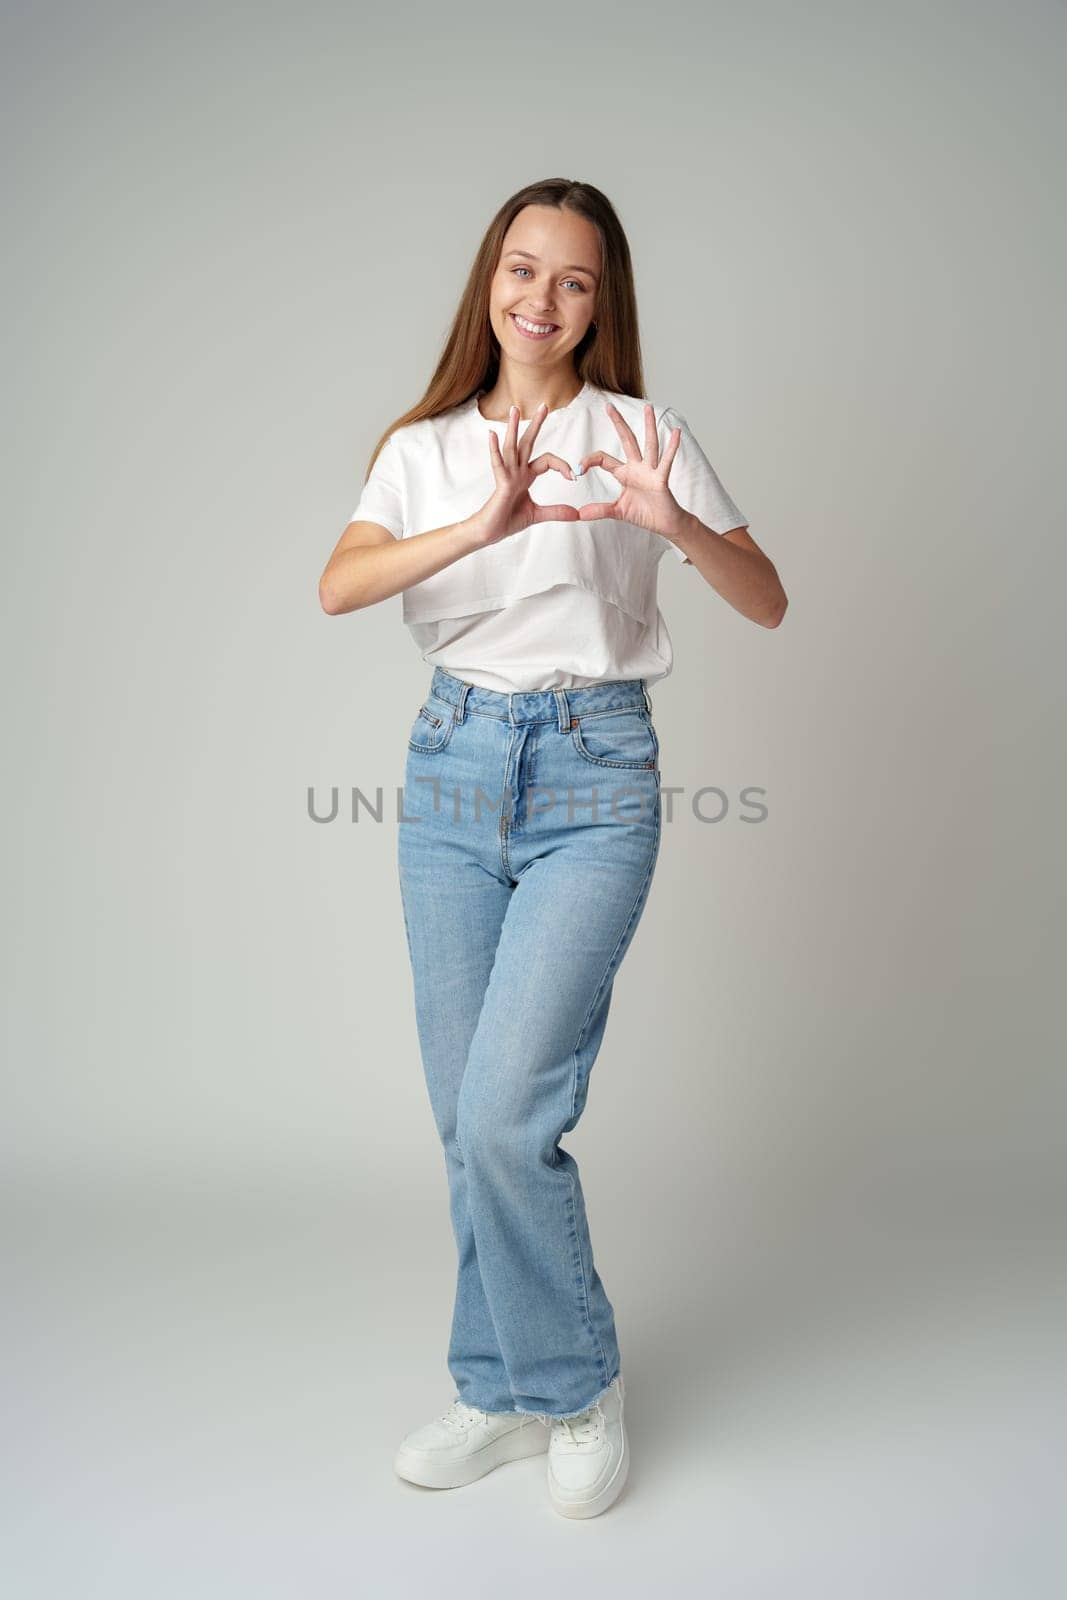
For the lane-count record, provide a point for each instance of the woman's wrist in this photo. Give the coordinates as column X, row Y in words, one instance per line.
column 466, row 536
column 471, row 533
column 680, row 531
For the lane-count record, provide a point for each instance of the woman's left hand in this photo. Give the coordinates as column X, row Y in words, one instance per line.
column 645, row 500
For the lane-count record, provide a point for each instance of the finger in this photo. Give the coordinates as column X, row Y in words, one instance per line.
column 552, row 463
column 530, row 435
column 626, row 434
column 496, row 459
column 600, row 458
column 670, row 450
column 554, row 513
column 651, row 437
column 511, row 437
column 595, row 513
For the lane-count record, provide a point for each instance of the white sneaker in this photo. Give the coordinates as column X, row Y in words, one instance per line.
column 589, row 1457
column 463, row 1444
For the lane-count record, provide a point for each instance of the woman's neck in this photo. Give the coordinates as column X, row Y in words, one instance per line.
column 528, row 391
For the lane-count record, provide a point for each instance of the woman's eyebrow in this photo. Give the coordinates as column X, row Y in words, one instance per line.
column 573, row 267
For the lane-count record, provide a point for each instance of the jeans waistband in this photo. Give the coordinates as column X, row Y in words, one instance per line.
column 540, row 705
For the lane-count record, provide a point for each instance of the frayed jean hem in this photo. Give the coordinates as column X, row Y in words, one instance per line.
column 553, row 1416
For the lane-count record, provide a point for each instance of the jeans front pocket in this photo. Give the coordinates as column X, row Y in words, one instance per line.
column 431, row 730
column 624, row 739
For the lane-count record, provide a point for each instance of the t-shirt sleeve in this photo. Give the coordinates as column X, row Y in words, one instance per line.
column 382, row 499
column 695, row 484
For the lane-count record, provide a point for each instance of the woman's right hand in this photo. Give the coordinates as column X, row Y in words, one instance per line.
column 509, row 508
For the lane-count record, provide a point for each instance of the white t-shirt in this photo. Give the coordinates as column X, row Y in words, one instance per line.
column 561, row 605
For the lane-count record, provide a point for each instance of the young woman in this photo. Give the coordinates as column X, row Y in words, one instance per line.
column 522, row 508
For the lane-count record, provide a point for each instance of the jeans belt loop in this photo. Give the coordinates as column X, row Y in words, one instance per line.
column 563, row 710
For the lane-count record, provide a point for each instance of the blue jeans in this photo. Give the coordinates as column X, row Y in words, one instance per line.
column 529, row 835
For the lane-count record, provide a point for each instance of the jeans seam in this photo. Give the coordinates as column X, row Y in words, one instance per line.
column 607, row 972
column 580, row 1278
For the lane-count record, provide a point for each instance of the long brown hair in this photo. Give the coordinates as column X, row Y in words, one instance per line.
column 609, row 356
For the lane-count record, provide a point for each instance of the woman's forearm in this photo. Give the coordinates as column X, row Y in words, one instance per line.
column 747, row 579
column 363, row 574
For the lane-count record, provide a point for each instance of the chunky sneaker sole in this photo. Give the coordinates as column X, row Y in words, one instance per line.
column 441, row 1456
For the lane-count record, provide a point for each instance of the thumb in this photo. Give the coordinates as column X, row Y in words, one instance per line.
column 555, row 513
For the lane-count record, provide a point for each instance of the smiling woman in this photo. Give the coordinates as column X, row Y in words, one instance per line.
column 535, row 603
column 521, row 508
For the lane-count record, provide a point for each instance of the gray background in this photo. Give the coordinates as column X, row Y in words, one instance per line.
column 823, row 1150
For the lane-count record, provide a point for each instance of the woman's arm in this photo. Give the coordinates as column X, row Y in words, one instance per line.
column 363, row 569
column 369, row 563
column 736, row 568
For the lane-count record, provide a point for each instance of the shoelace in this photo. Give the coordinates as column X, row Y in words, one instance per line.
column 583, row 1429
column 461, row 1415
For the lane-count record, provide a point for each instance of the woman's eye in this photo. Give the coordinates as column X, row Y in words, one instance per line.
column 577, row 285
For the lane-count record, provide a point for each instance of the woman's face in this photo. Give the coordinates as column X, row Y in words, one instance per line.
column 548, row 275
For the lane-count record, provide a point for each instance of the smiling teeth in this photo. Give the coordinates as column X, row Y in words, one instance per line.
column 534, row 327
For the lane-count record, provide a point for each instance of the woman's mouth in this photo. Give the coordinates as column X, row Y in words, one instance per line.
column 533, row 330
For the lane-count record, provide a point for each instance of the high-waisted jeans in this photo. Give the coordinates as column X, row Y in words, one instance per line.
column 527, row 844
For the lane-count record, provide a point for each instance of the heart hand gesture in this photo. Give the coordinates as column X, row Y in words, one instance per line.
column 509, row 509
column 645, row 500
